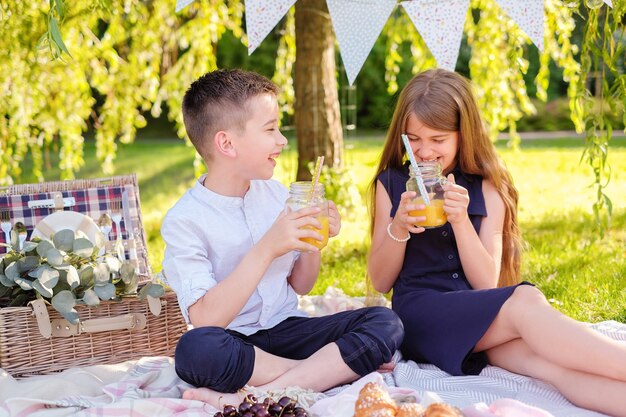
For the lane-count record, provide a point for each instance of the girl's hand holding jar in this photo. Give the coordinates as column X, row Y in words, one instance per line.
column 456, row 201
column 432, row 214
column 407, row 216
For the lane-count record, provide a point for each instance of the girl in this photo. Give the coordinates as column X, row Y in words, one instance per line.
column 456, row 287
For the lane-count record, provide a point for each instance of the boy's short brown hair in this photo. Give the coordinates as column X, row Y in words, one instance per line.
column 218, row 100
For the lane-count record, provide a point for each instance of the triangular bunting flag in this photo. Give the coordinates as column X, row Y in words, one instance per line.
column 261, row 17
column 357, row 24
column 440, row 23
column 181, row 4
column 528, row 14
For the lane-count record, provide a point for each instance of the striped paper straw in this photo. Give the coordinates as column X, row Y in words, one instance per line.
column 316, row 174
column 418, row 176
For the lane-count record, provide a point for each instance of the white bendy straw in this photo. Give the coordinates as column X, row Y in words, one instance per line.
column 418, row 173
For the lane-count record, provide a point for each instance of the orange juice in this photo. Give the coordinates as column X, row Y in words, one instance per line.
column 324, row 232
column 435, row 216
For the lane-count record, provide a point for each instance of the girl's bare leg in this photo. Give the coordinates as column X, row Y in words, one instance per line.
column 555, row 336
column 584, row 390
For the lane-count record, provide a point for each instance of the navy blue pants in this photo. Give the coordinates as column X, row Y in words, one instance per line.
column 223, row 360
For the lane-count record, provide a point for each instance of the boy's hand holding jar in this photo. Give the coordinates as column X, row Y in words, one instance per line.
column 293, row 230
column 334, row 219
column 301, row 196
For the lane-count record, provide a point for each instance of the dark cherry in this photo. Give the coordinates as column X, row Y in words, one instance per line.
column 230, row 411
column 244, row 406
column 275, row 409
column 262, row 413
column 284, row 401
column 218, row 414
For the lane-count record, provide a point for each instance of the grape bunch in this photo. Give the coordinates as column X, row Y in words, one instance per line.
column 250, row 407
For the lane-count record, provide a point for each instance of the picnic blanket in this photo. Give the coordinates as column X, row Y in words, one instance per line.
column 150, row 387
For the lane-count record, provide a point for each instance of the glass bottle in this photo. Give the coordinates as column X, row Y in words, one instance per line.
column 433, row 182
column 300, row 196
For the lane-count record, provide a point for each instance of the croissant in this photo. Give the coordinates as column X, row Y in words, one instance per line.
column 374, row 401
column 442, row 410
column 410, row 410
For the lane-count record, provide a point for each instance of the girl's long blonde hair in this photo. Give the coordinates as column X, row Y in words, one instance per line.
column 444, row 100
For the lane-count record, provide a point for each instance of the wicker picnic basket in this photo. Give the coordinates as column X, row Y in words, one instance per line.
column 35, row 339
column 111, row 333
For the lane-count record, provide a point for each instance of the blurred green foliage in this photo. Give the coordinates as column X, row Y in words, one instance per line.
column 555, row 115
column 126, row 60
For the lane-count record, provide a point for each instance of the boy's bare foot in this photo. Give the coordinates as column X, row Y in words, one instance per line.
column 386, row 367
column 214, row 398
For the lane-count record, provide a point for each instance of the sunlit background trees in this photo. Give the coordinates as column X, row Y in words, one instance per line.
column 103, row 69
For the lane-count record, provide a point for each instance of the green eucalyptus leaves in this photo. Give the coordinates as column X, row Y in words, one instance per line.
column 67, row 271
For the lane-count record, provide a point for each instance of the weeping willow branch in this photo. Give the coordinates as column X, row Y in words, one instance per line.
column 602, row 59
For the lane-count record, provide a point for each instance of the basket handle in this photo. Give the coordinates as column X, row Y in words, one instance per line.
column 131, row 321
column 63, row 328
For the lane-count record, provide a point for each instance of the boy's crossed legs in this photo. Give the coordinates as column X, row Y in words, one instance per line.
column 313, row 353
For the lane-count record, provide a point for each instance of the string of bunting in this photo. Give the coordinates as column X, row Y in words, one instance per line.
column 357, row 24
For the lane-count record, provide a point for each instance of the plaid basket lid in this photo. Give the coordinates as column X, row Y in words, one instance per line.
column 31, row 203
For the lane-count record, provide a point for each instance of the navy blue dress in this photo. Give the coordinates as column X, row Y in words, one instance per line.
column 443, row 316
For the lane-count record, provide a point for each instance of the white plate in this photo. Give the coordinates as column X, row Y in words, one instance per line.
column 72, row 220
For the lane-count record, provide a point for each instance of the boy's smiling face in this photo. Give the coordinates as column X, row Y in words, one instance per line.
column 261, row 142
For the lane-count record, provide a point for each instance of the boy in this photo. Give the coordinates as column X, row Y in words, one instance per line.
column 236, row 261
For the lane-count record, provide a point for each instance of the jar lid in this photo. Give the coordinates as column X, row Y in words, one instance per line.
column 304, row 187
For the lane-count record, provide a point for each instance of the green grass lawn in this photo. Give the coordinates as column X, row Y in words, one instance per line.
column 582, row 274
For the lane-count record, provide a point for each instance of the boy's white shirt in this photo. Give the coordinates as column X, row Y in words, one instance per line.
column 207, row 235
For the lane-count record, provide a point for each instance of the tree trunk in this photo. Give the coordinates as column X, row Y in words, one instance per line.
column 317, row 117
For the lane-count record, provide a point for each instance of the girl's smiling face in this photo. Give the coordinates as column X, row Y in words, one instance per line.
column 430, row 144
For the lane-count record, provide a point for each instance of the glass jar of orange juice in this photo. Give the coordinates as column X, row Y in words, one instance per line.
column 300, row 196
column 433, row 182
